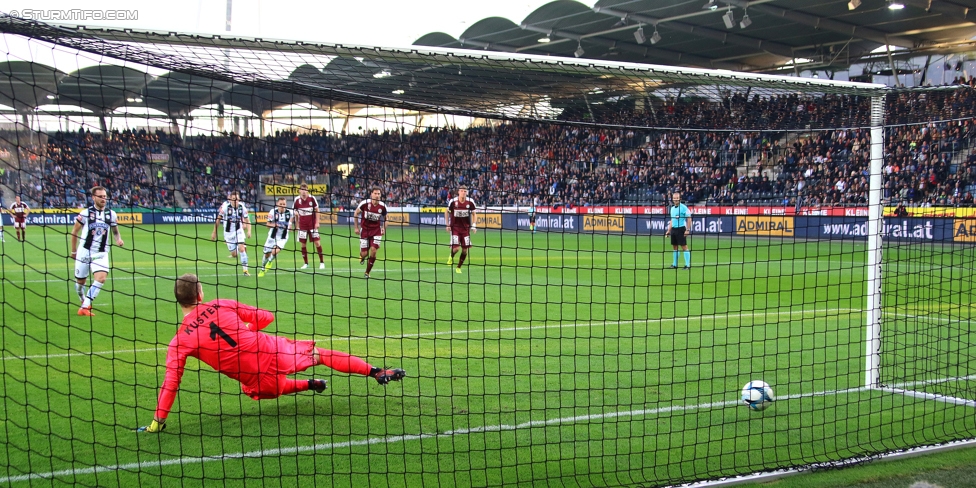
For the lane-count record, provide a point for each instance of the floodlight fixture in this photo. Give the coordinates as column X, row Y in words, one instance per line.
column 746, row 21
column 729, row 19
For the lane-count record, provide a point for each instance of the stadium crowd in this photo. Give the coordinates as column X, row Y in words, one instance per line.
column 630, row 157
column 59, row 173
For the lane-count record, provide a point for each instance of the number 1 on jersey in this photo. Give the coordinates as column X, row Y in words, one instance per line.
column 217, row 331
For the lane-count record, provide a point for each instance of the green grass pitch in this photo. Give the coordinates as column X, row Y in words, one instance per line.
column 577, row 359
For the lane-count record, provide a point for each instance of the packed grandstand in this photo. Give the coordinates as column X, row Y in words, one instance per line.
column 775, row 158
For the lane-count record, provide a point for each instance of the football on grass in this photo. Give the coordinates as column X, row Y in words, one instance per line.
column 757, row 395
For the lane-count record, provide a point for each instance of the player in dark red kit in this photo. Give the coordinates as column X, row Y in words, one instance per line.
column 19, row 211
column 461, row 219
column 224, row 335
column 307, row 209
column 370, row 223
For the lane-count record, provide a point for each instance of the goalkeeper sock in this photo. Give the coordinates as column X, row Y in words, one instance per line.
column 687, row 258
column 675, row 261
column 244, row 259
column 344, row 363
column 93, row 291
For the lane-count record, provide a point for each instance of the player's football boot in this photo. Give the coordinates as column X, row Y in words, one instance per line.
column 674, row 267
column 304, row 266
column 366, row 275
column 318, row 386
column 86, row 311
column 362, row 261
column 450, row 260
column 457, row 270
column 246, row 272
column 321, row 265
column 263, row 272
column 687, row 267
column 388, row 375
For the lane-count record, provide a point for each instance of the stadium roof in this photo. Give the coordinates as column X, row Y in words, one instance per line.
column 817, row 34
column 260, row 75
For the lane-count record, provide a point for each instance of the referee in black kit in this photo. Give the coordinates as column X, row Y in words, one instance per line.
column 679, row 227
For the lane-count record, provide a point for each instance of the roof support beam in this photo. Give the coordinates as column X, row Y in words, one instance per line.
column 669, row 56
column 828, row 24
column 725, row 37
column 491, row 46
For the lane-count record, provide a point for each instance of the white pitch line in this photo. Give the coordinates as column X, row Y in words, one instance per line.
column 182, row 461
column 294, row 271
column 112, row 352
column 932, row 396
column 844, row 266
column 516, row 263
column 935, row 318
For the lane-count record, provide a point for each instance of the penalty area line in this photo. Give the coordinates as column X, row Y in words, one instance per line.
column 331, row 446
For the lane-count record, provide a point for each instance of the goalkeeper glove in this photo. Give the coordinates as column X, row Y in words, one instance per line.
column 153, row 428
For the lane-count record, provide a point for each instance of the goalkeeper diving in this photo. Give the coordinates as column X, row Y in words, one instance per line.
column 225, row 335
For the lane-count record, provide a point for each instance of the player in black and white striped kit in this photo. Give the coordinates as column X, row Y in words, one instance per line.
column 236, row 222
column 280, row 225
column 92, row 227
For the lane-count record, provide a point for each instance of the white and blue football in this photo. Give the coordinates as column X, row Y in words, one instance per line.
column 757, row 395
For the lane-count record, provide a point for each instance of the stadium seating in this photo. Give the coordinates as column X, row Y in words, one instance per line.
column 776, row 158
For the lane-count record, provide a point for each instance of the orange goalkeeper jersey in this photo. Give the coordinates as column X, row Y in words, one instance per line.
column 223, row 334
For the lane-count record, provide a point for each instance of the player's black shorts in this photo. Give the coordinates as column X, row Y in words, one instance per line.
column 678, row 236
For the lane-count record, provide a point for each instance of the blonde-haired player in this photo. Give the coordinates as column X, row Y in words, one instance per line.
column 92, row 226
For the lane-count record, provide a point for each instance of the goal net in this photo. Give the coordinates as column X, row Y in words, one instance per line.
column 635, row 244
